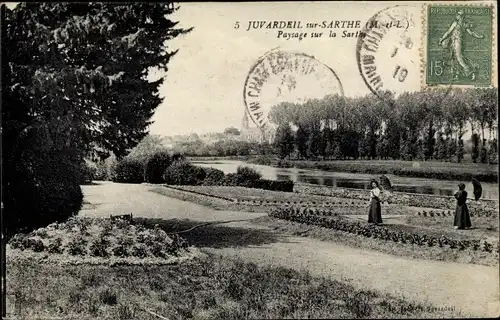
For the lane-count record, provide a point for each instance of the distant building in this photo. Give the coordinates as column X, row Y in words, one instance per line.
column 254, row 134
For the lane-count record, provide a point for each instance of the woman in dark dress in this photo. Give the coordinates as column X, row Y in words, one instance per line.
column 462, row 216
column 375, row 214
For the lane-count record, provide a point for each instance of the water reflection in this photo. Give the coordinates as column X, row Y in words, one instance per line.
column 354, row 180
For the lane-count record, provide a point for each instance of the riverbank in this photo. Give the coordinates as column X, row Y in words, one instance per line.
column 417, row 169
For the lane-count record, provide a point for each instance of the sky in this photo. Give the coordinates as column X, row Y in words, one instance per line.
column 203, row 88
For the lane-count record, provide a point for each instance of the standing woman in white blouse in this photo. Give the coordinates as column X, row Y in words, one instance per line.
column 375, row 213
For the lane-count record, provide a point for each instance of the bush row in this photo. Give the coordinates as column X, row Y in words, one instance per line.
column 484, row 207
column 161, row 168
column 380, row 232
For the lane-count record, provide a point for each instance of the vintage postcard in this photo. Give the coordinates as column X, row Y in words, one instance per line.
column 250, row 160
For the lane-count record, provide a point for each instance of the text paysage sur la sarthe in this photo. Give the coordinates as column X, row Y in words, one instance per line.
column 299, row 30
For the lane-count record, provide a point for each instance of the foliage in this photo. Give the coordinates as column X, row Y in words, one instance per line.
column 184, row 173
column 417, row 125
column 247, row 174
column 121, row 240
column 156, row 165
column 232, row 131
column 149, row 145
column 129, row 170
column 74, row 85
column 284, row 141
column 213, row 177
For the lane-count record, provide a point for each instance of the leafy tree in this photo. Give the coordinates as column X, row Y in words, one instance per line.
column 460, row 150
column 440, row 147
column 232, row 131
column 301, row 141
column 493, row 152
column 149, row 145
column 314, row 142
column 475, row 147
column 383, row 147
column 284, row 140
column 330, row 149
column 75, row 84
column 156, row 165
column 325, row 139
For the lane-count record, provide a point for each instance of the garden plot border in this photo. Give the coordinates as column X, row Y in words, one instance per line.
column 264, row 202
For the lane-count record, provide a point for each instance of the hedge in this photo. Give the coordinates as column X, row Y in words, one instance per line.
column 214, row 177
column 184, row 173
column 37, row 193
column 128, row 171
column 156, row 165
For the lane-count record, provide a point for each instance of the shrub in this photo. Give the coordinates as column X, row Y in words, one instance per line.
column 214, row 177
column 55, row 246
column 140, row 250
column 156, row 165
column 38, row 193
column 101, row 171
column 129, row 171
column 247, row 174
column 178, row 157
column 88, row 171
column 77, row 246
column 184, row 173
column 120, row 250
column 98, row 248
column 17, row 241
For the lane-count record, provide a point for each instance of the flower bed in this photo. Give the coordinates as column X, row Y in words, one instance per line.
column 474, row 212
column 101, row 239
column 380, row 232
column 484, row 207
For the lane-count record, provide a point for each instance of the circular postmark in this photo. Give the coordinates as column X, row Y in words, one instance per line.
column 386, row 53
column 280, row 76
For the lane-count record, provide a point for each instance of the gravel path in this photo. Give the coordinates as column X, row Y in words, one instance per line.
column 474, row 289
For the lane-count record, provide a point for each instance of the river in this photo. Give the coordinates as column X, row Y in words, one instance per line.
column 352, row 180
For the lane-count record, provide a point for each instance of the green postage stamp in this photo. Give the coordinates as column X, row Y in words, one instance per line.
column 459, row 45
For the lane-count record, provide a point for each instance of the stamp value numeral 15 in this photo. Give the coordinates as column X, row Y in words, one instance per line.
column 437, row 67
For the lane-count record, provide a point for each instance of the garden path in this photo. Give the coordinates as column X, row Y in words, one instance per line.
column 474, row 289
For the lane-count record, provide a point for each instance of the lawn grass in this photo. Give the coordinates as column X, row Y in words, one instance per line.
column 482, row 227
column 389, row 247
column 210, row 287
column 210, row 202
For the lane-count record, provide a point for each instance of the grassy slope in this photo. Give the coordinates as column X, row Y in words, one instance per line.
column 209, row 288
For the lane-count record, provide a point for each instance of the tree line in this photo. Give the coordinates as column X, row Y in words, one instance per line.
column 427, row 125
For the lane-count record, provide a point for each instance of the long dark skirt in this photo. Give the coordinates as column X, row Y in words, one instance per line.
column 462, row 217
column 375, row 214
